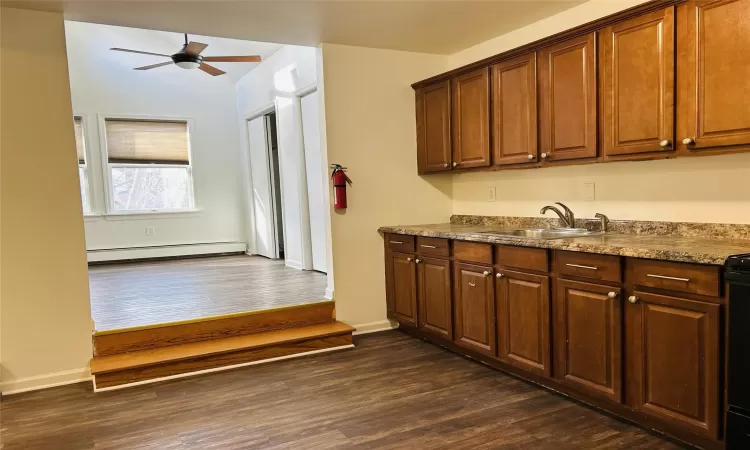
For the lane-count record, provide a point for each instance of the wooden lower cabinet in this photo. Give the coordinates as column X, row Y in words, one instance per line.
column 588, row 340
column 474, row 298
column 401, row 292
column 434, row 293
column 523, row 320
column 676, row 361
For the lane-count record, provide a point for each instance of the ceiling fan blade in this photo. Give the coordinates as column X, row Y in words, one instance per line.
column 195, row 48
column 211, row 70
column 137, row 51
column 254, row 58
column 153, row 66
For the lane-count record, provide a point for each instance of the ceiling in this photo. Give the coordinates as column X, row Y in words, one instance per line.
column 429, row 26
column 97, row 40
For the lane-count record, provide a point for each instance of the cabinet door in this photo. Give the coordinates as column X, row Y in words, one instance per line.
column 676, row 362
column 713, row 74
column 434, row 290
column 434, row 127
column 567, row 99
column 474, row 298
column 588, row 340
column 637, row 84
column 402, row 289
column 471, row 119
column 514, row 111
column 523, row 324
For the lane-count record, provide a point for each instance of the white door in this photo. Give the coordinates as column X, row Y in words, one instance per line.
column 315, row 179
column 265, row 242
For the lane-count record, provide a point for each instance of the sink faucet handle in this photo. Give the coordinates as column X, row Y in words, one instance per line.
column 569, row 214
column 604, row 219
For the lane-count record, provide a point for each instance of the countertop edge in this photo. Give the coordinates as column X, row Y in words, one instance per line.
column 569, row 244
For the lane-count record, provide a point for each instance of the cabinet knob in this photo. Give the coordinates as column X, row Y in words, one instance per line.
column 446, row 164
column 688, row 141
column 531, row 156
column 455, row 164
column 408, row 259
column 612, row 294
column 486, row 273
column 633, row 299
column 498, row 276
column 664, row 143
column 544, row 155
column 417, row 260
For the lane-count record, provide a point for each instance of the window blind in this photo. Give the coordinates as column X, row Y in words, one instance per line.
column 146, row 141
column 80, row 148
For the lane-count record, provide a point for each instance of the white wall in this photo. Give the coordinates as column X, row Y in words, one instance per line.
column 103, row 82
column 702, row 189
column 275, row 81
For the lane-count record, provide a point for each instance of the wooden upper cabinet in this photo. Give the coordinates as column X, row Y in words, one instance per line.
column 675, row 369
column 567, row 99
column 474, row 300
column 471, row 119
column 713, row 74
column 434, row 291
column 514, row 123
column 588, row 338
column 401, row 287
column 434, row 127
column 636, row 66
column 523, row 320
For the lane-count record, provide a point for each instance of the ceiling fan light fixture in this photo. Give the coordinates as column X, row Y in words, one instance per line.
column 184, row 61
column 188, row 64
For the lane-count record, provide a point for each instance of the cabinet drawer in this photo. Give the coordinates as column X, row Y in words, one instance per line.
column 589, row 265
column 680, row 277
column 433, row 246
column 472, row 251
column 400, row 242
column 521, row 257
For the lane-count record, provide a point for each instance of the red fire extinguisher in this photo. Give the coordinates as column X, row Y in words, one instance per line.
column 340, row 179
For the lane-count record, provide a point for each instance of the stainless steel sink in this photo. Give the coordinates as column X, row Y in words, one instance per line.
column 543, row 233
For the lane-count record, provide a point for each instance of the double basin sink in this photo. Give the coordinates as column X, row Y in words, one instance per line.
column 542, row 233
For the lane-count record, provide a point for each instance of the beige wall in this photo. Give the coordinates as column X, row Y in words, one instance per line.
column 695, row 189
column 369, row 111
column 45, row 324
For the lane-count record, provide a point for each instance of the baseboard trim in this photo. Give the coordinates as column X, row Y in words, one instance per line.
column 165, row 251
column 219, row 369
column 374, row 327
column 45, row 381
column 294, row 264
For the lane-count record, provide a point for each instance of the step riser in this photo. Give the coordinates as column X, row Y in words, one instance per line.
column 122, row 377
column 144, row 339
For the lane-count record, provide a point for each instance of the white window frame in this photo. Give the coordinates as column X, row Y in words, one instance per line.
column 87, row 207
column 107, row 174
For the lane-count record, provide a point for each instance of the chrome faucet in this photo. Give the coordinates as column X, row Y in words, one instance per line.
column 604, row 221
column 567, row 218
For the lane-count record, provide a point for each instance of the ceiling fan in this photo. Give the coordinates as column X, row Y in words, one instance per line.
column 189, row 57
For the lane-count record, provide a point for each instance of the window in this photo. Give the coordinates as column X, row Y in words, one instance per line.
column 82, row 166
column 148, row 165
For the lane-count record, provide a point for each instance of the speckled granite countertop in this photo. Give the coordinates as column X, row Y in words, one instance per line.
column 703, row 250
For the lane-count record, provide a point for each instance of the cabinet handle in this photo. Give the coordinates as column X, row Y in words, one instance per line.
column 688, row 141
column 455, row 164
column 633, row 299
column 397, row 242
column 612, row 294
column 428, row 246
column 408, row 259
column 664, row 143
column 486, row 273
column 498, row 276
column 417, row 260
column 544, row 155
column 582, row 267
column 446, row 165
column 664, row 277
column 531, row 156
column 472, row 284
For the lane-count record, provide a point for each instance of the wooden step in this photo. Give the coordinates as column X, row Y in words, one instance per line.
column 151, row 364
column 176, row 333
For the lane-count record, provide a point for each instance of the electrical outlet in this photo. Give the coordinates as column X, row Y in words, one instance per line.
column 491, row 194
column 150, row 231
column 589, row 192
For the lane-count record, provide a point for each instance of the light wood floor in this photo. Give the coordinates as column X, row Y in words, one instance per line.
column 390, row 392
column 147, row 293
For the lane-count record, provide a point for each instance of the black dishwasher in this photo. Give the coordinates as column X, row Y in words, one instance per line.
column 738, row 412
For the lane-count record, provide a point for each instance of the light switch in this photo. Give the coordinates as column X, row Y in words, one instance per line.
column 589, row 192
column 491, row 194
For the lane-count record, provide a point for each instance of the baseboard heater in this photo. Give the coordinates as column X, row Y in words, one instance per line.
column 164, row 252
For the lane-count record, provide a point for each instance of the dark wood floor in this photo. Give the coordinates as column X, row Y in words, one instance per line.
column 391, row 391
column 149, row 293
